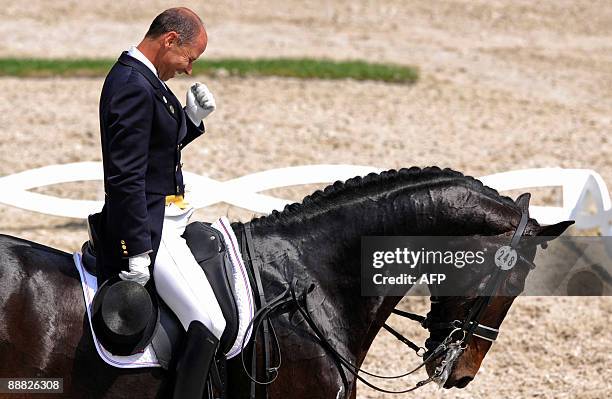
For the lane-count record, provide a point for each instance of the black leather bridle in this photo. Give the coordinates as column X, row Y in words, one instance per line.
column 471, row 326
column 451, row 347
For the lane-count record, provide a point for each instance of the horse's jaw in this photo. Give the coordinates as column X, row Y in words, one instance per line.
column 465, row 368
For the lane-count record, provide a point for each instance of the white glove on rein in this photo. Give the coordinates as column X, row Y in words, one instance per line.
column 200, row 103
column 139, row 269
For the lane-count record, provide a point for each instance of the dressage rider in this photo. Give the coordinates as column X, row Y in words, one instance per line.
column 143, row 130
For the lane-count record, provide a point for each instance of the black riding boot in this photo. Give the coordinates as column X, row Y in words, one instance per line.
column 195, row 361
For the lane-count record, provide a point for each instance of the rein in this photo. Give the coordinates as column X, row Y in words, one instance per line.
column 451, row 347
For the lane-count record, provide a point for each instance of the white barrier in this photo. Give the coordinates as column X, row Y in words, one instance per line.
column 585, row 196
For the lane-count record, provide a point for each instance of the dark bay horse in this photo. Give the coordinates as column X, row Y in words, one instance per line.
column 44, row 333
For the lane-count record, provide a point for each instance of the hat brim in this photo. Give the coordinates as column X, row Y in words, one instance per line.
column 113, row 320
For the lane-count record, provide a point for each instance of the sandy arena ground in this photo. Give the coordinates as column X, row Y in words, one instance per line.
column 504, row 85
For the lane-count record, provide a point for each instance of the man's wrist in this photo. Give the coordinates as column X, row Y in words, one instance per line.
column 193, row 119
column 197, row 124
column 140, row 254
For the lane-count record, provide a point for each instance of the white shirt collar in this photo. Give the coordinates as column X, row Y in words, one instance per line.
column 134, row 52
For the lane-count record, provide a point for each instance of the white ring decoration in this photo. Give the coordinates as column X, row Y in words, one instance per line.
column 585, row 196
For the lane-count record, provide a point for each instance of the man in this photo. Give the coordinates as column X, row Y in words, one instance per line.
column 143, row 129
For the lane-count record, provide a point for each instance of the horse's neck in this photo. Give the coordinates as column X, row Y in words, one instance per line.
column 324, row 248
column 326, row 252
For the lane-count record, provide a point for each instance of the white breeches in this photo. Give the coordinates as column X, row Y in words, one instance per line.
column 179, row 280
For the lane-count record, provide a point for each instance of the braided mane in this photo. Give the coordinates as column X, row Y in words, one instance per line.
column 374, row 184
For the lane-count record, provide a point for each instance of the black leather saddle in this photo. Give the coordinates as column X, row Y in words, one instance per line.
column 209, row 250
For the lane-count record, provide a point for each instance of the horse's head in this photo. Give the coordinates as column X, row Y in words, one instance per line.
column 458, row 368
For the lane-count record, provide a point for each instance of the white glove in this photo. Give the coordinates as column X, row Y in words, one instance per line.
column 139, row 269
column 200, row 103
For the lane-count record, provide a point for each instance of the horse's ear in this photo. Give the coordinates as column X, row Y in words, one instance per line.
column 550, row 232
column 523, row 201
column 554, row 230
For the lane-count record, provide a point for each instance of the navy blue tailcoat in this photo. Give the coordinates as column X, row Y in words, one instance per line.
column 143, row 129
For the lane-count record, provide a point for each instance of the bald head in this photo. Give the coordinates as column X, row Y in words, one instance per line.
column 176, row 39
column 181, row 20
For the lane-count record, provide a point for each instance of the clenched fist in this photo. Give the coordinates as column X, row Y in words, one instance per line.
column 200, row 103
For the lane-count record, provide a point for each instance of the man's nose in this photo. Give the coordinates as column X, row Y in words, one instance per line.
column 189, row 70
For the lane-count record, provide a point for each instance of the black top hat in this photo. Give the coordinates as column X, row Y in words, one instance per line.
column 124, row 316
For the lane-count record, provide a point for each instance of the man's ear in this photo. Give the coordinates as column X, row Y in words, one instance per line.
column 170, row 38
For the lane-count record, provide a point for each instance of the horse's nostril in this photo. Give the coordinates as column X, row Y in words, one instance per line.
column 462, row 383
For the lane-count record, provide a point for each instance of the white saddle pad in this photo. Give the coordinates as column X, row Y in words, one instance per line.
column 242, row 286
column 147, row 358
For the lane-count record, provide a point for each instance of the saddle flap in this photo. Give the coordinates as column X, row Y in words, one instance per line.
column 168, row 335
column 207, row 246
